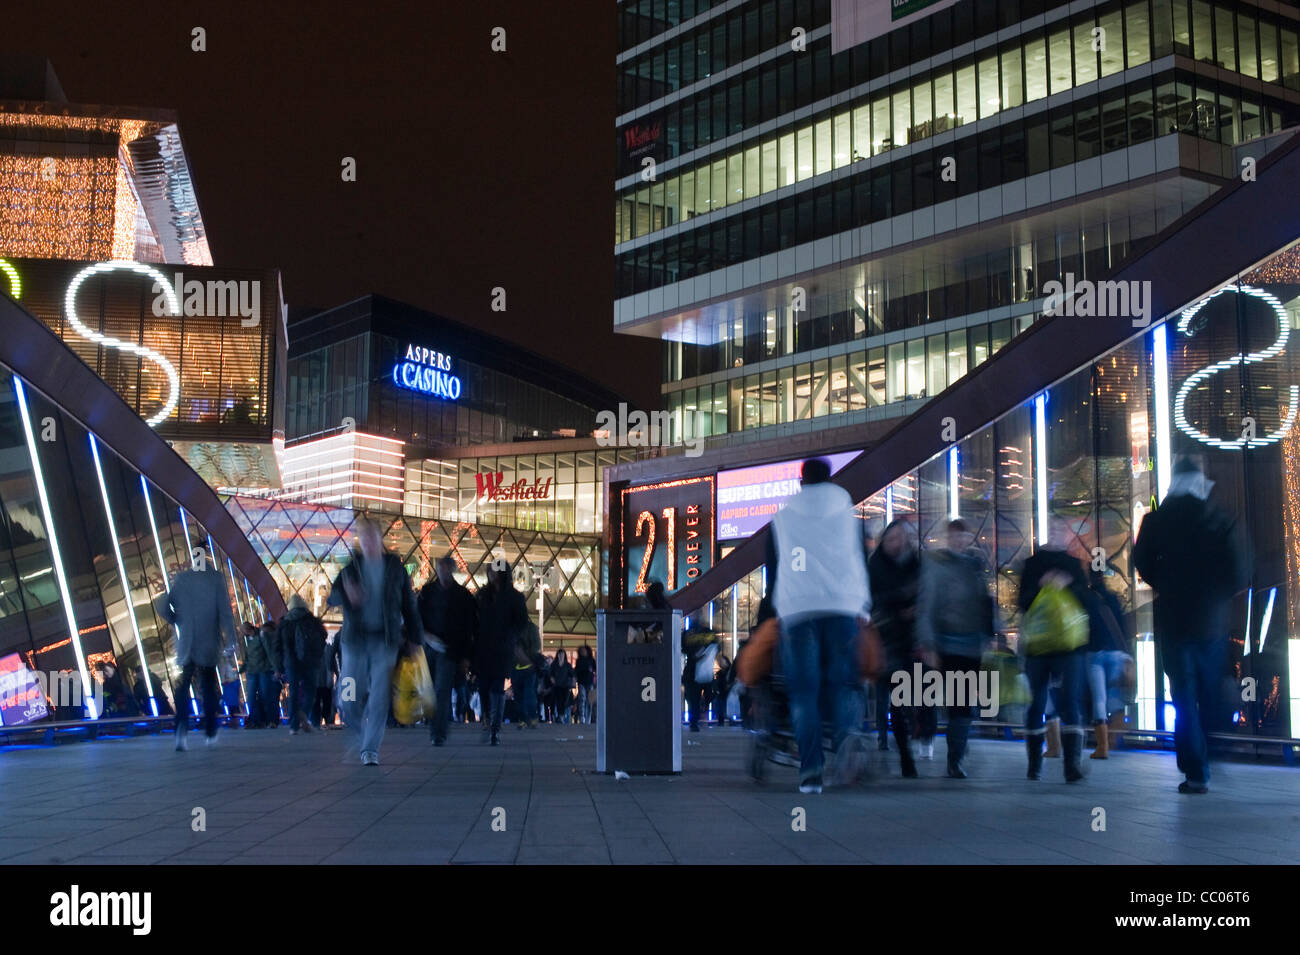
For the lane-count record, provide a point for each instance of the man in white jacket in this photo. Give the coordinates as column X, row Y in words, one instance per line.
column 817, row 574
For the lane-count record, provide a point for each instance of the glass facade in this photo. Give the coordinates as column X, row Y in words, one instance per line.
column 1096, row 449
column 227, row 365
column 353, row 377
column 305, row 546
column 569, row 483
column 87, row 544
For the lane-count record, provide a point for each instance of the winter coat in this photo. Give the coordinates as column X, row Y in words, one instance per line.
column 1192, row 555
column 399, row 602
column 302, row 641
column 451, row 615
column 816, row 555
column 502, row 616
column 954, row 610
column 198, row 604
column 895, row 588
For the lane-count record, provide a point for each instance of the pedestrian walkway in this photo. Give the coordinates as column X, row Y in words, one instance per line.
column 265, row 797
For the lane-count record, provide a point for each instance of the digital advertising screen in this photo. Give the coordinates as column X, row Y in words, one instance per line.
column 749, row 497
column 668, row 533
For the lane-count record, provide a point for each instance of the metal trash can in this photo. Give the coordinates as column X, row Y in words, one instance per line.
column 639, row 691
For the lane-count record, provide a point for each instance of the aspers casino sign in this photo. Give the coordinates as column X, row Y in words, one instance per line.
column 428, row 372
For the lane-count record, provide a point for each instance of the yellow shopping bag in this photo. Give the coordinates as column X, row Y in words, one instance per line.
column 412, row 689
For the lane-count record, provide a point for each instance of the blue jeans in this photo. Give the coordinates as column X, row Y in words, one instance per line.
column 365, row 689
column 263, row 707
column 820, row 671
column 1068, row 668
column 1104, row 670
column 584, row 703
column 1195, row 670
column 302, row 690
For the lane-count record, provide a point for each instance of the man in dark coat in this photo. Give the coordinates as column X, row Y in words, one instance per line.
column 1192, row 555
column 302, row 644
column 450, row 616
column 198, row 605
column 503, row 615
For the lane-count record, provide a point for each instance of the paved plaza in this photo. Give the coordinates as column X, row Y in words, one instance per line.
column 266, row 797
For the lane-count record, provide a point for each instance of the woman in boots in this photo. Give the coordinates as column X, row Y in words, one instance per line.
column 1053, row 566
column 895, row 572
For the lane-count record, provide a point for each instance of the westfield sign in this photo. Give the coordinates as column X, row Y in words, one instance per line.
column 491, row 490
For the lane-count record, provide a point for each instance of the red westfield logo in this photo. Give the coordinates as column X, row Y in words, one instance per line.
column 490, row 488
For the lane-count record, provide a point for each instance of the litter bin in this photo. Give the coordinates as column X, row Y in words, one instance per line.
column 639, row 691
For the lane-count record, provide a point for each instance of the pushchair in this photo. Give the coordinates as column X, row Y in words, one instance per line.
column 766, row 710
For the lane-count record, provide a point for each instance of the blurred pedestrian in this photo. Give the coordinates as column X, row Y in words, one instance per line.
column 894, row 569
column 1063, row 656
column 503, row 616
column 563, row 678
column 817, row 571
column 1192, row 554
column 198, row 606
column 374, row 591
column 954, row 622
column 585, row 673
column 450, row 616
column 302, row 646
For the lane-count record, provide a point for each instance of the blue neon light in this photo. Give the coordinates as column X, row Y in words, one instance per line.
column 427, row 372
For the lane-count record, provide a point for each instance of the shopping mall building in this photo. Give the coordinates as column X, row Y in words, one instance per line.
column 847, row 230
column 110, row 378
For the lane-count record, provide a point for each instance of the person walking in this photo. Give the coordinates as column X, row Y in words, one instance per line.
column 524, row 675
column 374, row 592
column 1062, row 658
column 322, row 712
column 563, row 678
column 1192, row 554
column 257, row 667
column 302, row 647
column 1107, row 651
column 269, row 635
column 722, row 683
column 450, row 616
column 817, row 571
column 954, row 622
column 198, row 606
column 585, row 673
column 894, row 569
column 503, row 616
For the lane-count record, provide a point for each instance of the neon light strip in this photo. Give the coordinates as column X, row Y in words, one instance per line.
column 162, row 561
column 1164, row 465
column 189, row 555
column 954, row 476
column 1250, row 603
column 1268, row 618
column 174, row 308
column 1040, row 465
column 889, row 505
column 1278, row 346
column 64, row 592
column 15, row 282
column 121, row 570
column 249, row 594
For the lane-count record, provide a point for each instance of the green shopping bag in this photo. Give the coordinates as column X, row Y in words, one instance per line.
column 1055, row 623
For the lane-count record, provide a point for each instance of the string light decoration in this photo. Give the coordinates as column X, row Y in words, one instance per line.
column 1272, row 351
column 173, row 308
column 15, row 280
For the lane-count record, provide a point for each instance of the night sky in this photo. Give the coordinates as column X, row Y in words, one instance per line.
column 474, row 169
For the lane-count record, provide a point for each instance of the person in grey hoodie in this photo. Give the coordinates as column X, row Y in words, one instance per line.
column 954, row 620
column 198, row 606
column 817, row 572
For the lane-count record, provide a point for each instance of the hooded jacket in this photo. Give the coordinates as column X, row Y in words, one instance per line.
column 302, row 641
column 815, row 552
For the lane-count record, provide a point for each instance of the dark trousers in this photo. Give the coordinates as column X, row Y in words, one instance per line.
column 694, row 701
column 1068, row 668
column 882, row 706
column 443, row 668
column 959, row 717
column 494, row 705
column 322, row 710
column 1195, row 671
column 525, row 683
column 460, row 701
column 210, row 690
column 302, row 688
